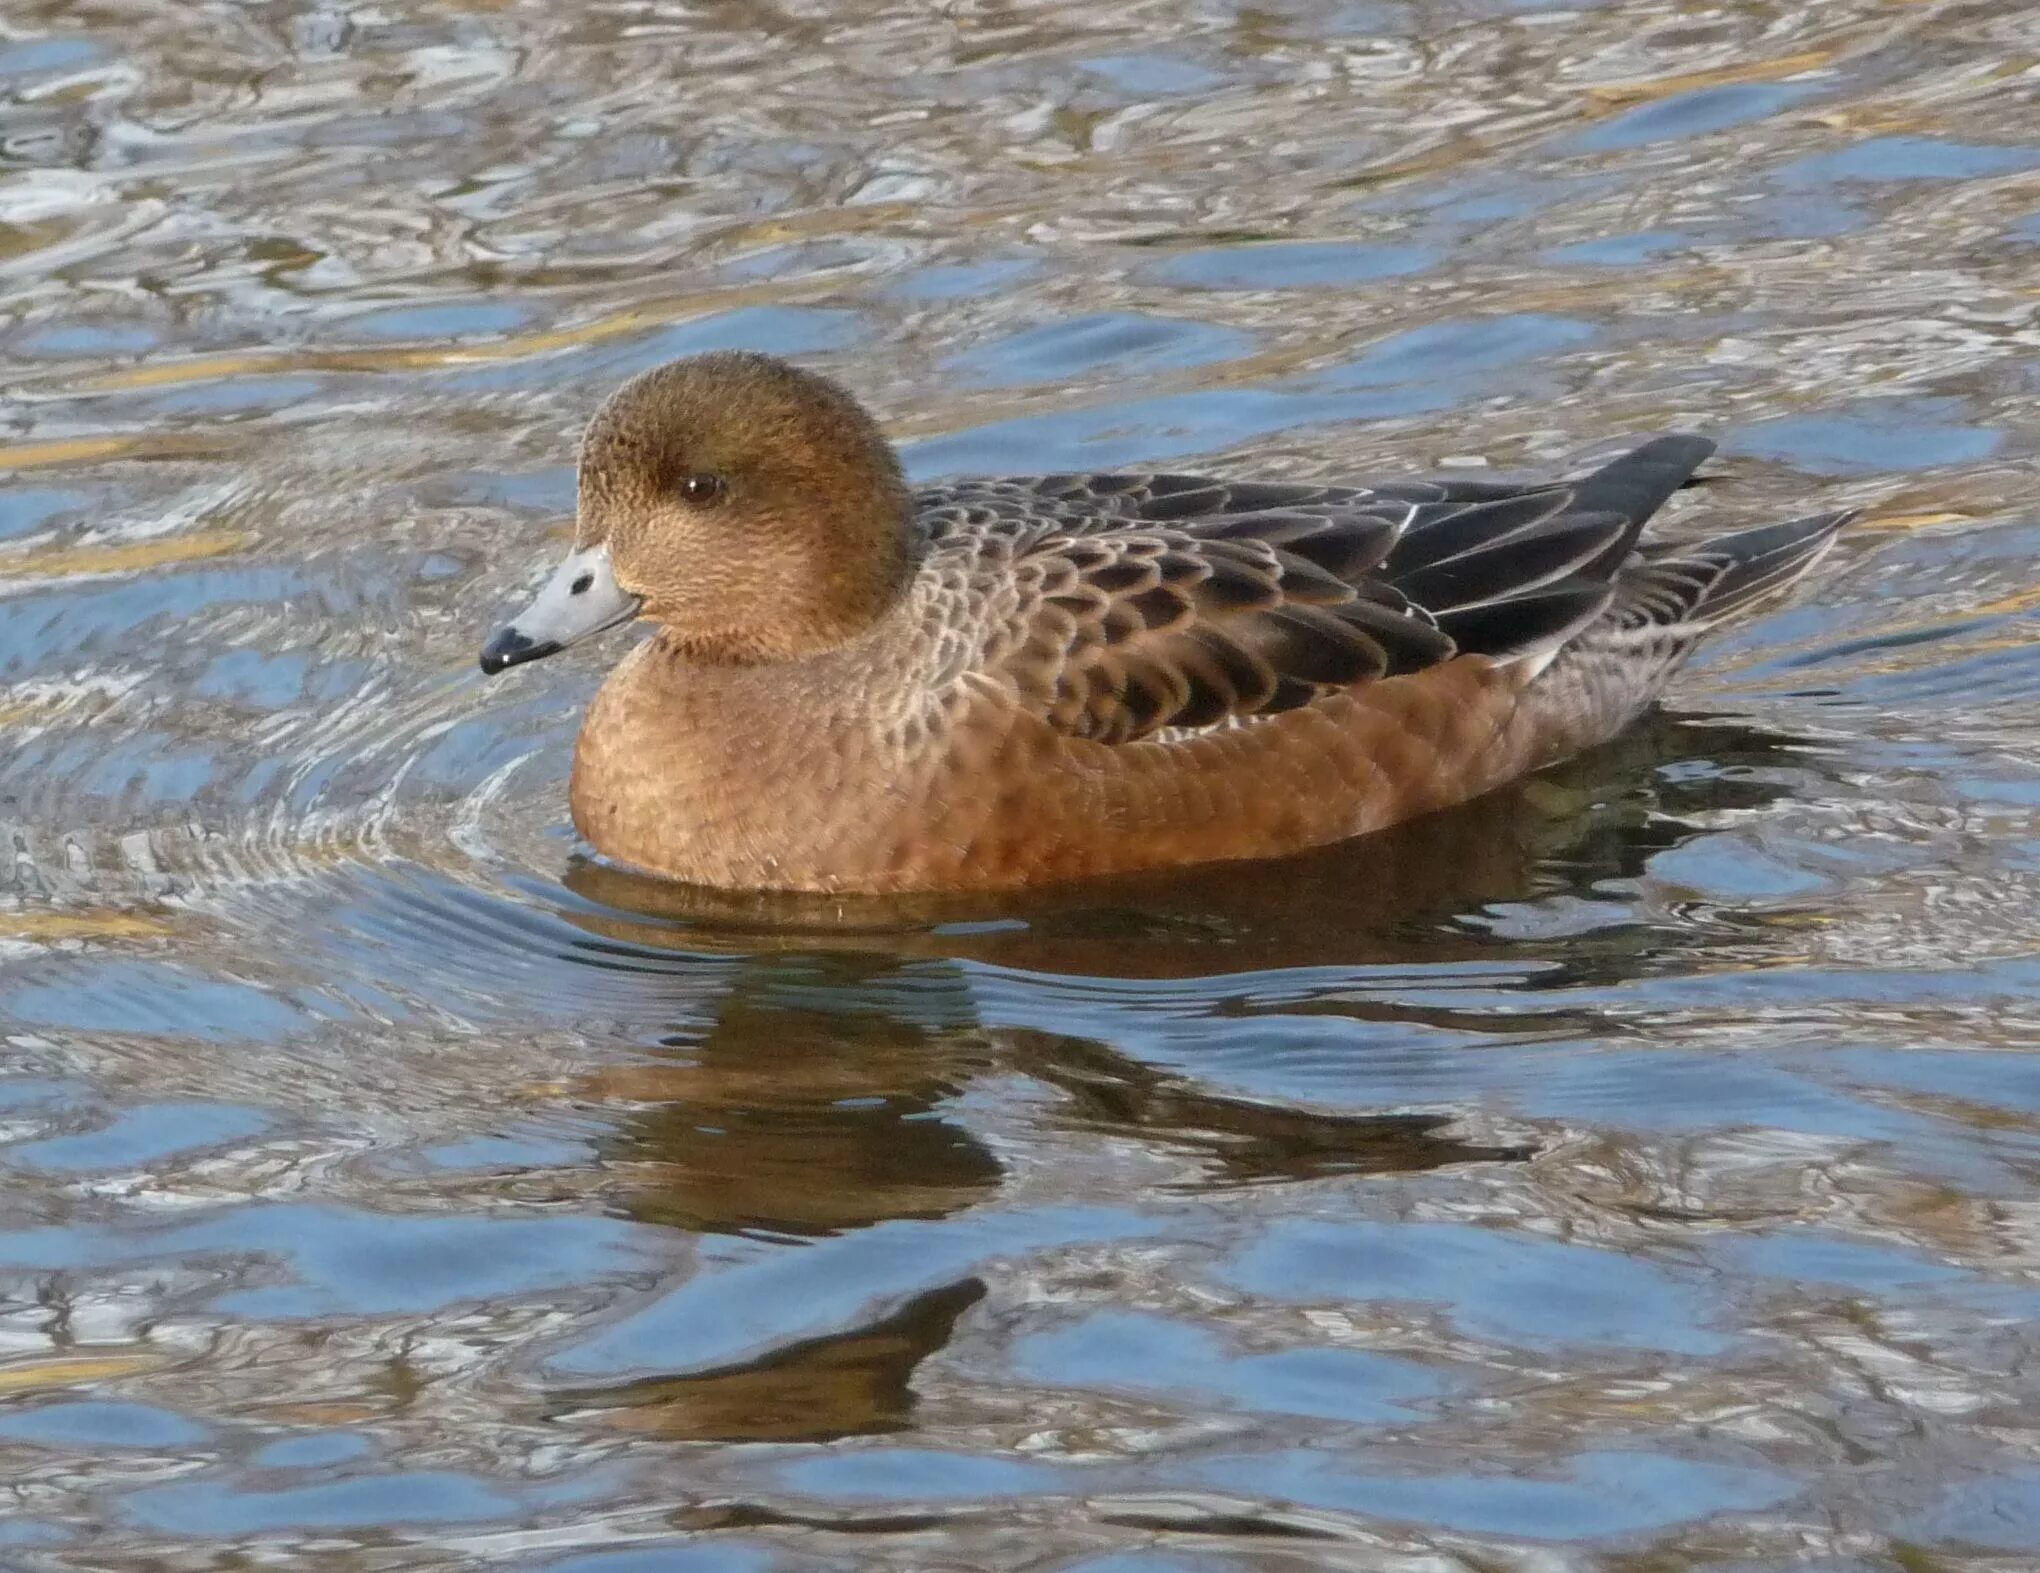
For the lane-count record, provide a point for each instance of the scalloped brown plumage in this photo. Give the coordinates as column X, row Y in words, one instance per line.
column 1003, row 682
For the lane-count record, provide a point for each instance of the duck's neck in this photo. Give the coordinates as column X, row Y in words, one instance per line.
column 732, row 772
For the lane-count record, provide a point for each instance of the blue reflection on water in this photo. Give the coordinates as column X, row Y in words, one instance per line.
column 1509, row 1287
column 91, row 1424
column 914, row 1473
column 1907, row 158
column 1866, row 437
column 1689, row 114
column 1127, row 343
column 213, row 1507
column 1129, row 1352
column 26, row 509
column 1590, row 1495
column 351, row 1263
column 317, row 1451
column 1426, row 369
column 141, row 1136
column 1294, row 264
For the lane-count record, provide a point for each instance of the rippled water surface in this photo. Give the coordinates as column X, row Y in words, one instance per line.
column 1634, row 1171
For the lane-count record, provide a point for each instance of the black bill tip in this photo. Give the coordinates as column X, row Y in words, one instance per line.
column 510, row 648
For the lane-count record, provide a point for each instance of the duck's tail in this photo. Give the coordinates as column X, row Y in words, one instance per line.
column 1666, row 597
column 1688, row 588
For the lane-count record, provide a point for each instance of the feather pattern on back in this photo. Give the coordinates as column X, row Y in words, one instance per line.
column 1119, row 607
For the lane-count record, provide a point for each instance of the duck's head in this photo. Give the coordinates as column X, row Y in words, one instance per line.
column 752, row 509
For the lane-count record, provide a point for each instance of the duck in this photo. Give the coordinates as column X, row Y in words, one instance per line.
column 857, row 685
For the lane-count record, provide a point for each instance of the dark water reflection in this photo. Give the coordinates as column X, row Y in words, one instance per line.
column 1632, row 1170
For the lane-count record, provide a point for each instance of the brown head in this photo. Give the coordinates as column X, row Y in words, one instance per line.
column 752, row 509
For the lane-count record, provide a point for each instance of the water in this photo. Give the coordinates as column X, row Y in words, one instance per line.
column 1635, row 1171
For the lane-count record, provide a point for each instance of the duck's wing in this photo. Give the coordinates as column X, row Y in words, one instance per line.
column 1121, row 606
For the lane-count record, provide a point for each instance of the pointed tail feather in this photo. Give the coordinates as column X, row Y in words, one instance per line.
column 1708, row 582
column 1664, row 601
column 1773, row 558
column 1636, row 484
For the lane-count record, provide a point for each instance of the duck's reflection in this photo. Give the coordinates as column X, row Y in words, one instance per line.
column 802, row 1112
column 811, row 1104
column 815, row 1060
column 852, row 1383
column 807, row 1100
column 792, row 1118
column 1239, row 1141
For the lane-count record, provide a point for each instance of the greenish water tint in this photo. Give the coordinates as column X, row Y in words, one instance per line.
column 1634, row 1170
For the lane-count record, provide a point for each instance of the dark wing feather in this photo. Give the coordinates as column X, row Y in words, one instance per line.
column 1523, row 561
column 1526, row 625
column 1131, row 604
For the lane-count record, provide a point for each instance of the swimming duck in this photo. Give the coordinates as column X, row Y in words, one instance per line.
column 855, row 685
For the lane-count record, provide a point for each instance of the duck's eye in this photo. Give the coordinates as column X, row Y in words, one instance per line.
column 703, row 489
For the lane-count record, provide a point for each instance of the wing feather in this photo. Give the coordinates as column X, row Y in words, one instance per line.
column 1123, row 605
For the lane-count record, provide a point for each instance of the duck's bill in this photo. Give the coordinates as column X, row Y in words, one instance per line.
column 580, row 599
